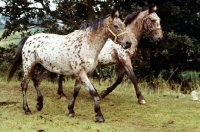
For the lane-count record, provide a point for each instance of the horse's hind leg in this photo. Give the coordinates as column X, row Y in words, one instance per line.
column 37, row 80
column 24, row 86
column 77, row 87
column 60, row 87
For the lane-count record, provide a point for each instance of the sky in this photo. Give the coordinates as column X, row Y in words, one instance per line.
column 52, row 5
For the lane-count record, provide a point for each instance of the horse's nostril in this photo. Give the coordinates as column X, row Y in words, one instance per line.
column 159, row 38
column 128, row 43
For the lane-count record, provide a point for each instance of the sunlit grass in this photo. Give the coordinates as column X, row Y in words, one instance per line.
column 14, row 38
column 162, row 113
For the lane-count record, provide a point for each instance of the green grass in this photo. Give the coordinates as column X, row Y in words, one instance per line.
column 14, row 38
column 162, row 113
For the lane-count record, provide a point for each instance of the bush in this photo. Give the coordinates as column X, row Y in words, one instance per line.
column 6, row 56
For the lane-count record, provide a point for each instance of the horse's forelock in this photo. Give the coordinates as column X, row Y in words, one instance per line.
column 114, row 14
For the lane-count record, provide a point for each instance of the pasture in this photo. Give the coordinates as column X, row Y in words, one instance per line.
column 11, row 39
column 162, row 113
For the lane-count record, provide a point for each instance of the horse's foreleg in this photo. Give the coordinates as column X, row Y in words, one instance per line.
column 93, row 92
column 37, row 80
column 77, row 87
column 60, row 87
column 95, row 95
column 133, row 79
column 120, row 76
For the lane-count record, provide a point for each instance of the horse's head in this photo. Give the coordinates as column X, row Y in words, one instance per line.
column 151, row 23
column 116, row 30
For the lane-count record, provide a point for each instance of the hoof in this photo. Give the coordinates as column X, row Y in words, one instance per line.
column 39, row 107
column 98, row 98
column 99, row 119
column 28, row 112
column 142, row 102
column 62, row 97
column 71, row 115
column 103, row 94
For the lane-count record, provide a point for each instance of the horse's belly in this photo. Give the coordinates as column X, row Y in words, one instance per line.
column 57, row 65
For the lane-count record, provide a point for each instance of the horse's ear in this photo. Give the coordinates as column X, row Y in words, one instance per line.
column 139, row 8
column 115, row 14
column 152, row 9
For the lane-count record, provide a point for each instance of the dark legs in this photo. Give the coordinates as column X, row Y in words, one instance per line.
column 60, row 89
column 24, row 86
column 120, row 76
column 37, row 80
column 77, row 87
column 85, row 81
column 133, row 79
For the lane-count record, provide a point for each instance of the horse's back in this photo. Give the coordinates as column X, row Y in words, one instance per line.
column 50, row 50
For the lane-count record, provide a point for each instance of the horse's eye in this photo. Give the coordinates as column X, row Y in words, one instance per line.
column 153, row 21
column 115, row 26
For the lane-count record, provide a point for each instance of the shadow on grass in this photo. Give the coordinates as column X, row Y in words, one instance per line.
column 7, row 103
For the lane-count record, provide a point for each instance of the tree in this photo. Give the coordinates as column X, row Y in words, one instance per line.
column 23, row 14
column 179, row 19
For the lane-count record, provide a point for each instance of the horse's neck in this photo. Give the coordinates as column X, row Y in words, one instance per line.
column 97, row 39
column 136, row 27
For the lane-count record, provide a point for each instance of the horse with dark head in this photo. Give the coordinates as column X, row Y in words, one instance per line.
column 136, row 23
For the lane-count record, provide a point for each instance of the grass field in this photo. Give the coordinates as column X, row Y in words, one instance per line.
column 14, row 38
column 162, row 113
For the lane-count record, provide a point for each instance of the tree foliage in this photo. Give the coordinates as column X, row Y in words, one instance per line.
column 180, row 20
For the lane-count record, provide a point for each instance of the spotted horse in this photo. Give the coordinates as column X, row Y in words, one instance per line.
column 75, row 54
column 145, row 19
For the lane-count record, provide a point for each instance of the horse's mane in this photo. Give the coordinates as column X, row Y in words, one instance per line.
column 133, row 16
column 95, row 24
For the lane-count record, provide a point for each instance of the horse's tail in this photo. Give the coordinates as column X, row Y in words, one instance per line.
column 17, row 59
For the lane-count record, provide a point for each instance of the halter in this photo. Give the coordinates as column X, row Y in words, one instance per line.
column 116, row 35
column 148, row 26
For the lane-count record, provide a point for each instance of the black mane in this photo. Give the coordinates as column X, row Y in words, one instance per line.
column 95, row 24
column 133, row 16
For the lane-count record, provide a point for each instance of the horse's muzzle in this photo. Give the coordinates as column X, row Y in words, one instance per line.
column 157, row 38
column 127, row 45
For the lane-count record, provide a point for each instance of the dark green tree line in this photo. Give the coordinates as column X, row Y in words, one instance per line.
column 179, row 50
